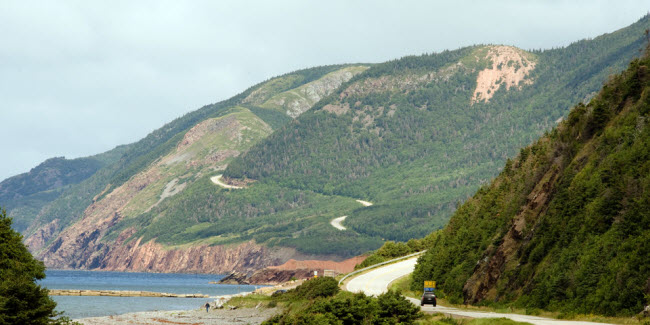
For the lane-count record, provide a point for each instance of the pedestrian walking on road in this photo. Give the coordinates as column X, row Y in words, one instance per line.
column 207, row 307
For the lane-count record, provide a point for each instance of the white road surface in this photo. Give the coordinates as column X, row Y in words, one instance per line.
column 217, row 180
column 365, row 203
column 377, row 281
column 336, row 223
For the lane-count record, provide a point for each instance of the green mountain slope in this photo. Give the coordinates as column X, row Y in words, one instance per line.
column 26, row 194
column 566, row 225
column 163, row 189
column 420, row 134
column 68, row 204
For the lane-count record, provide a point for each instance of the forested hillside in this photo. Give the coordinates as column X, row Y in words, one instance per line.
column 566, row 225
column 419, row 135
column 164, row 191
column 26, row 194
column 67, row 204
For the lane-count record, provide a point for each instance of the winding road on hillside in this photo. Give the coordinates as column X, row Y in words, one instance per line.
column 376, row 282
column 217, row 180
column 336, row 222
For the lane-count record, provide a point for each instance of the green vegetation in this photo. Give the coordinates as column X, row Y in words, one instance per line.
column 22, row 301
column 404, row 135
column 268, row 214
column 26, row 194
column 391, row 250
column 318, row 301
column 440, row 319
column 565, row 227
column 67, row 204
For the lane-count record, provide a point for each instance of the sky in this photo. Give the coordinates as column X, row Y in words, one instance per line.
column 78, row 78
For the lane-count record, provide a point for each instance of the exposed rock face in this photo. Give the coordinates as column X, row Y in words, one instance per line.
column 37, row 241
column 510, row 66
column 482, row 284
column 302, row 270
column 301, row 99
column 271, row 276
column 235, row 278
column 153, row 257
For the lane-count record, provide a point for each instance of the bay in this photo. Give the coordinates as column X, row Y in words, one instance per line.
column 91, row 306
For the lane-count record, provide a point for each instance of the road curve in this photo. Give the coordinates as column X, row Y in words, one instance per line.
column 336, row 223
column 217, row 180
column 376, row 282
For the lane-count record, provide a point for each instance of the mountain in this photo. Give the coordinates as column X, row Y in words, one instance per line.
column 26, row 194
column 418, row 135
column 566, row 225
column 164, row 181
column 414, row 136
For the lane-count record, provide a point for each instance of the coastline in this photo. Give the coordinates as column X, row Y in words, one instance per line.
column 198, row 316
column 195, row 317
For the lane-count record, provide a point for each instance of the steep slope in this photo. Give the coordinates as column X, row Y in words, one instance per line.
column 420, row 134
column 25, row 194
column 414, row 136
column 69, row 205
column 127, row 224
column 566, row 225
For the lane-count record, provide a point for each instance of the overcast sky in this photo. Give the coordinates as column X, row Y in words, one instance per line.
column 81, row 77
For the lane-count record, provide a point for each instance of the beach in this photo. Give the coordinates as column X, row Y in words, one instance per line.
column 187, row 317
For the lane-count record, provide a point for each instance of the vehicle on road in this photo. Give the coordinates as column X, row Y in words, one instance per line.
column 278, row 292
column 428, row 298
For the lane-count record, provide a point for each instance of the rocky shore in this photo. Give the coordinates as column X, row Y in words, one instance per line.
column 194, row 317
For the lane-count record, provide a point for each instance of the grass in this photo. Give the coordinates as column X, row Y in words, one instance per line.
column 440, row 319
column 252, row 301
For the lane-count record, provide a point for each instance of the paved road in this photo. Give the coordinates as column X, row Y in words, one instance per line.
column 365, row 203
column 376, row 282
column 336, row 223
column 217, row 180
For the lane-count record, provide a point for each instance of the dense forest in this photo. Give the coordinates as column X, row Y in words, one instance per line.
column 406, row 136
column 565, row 226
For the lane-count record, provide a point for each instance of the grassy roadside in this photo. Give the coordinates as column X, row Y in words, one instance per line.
column 402, row 284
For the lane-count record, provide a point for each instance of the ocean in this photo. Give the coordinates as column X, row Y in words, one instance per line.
column 90, row 306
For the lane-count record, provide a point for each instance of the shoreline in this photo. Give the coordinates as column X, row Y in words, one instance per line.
column 194, row 316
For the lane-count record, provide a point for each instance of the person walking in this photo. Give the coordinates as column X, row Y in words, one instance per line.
column 207, row 307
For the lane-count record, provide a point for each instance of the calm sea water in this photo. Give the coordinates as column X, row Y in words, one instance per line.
column 89, row 306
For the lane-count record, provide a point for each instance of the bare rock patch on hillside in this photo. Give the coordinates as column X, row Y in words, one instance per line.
column 510, row 67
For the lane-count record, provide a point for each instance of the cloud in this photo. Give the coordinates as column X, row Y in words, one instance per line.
column 78, row 78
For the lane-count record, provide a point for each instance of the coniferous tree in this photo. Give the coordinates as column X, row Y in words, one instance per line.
column 22, row 301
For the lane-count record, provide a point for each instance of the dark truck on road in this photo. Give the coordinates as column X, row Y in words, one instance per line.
column 428, row 296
